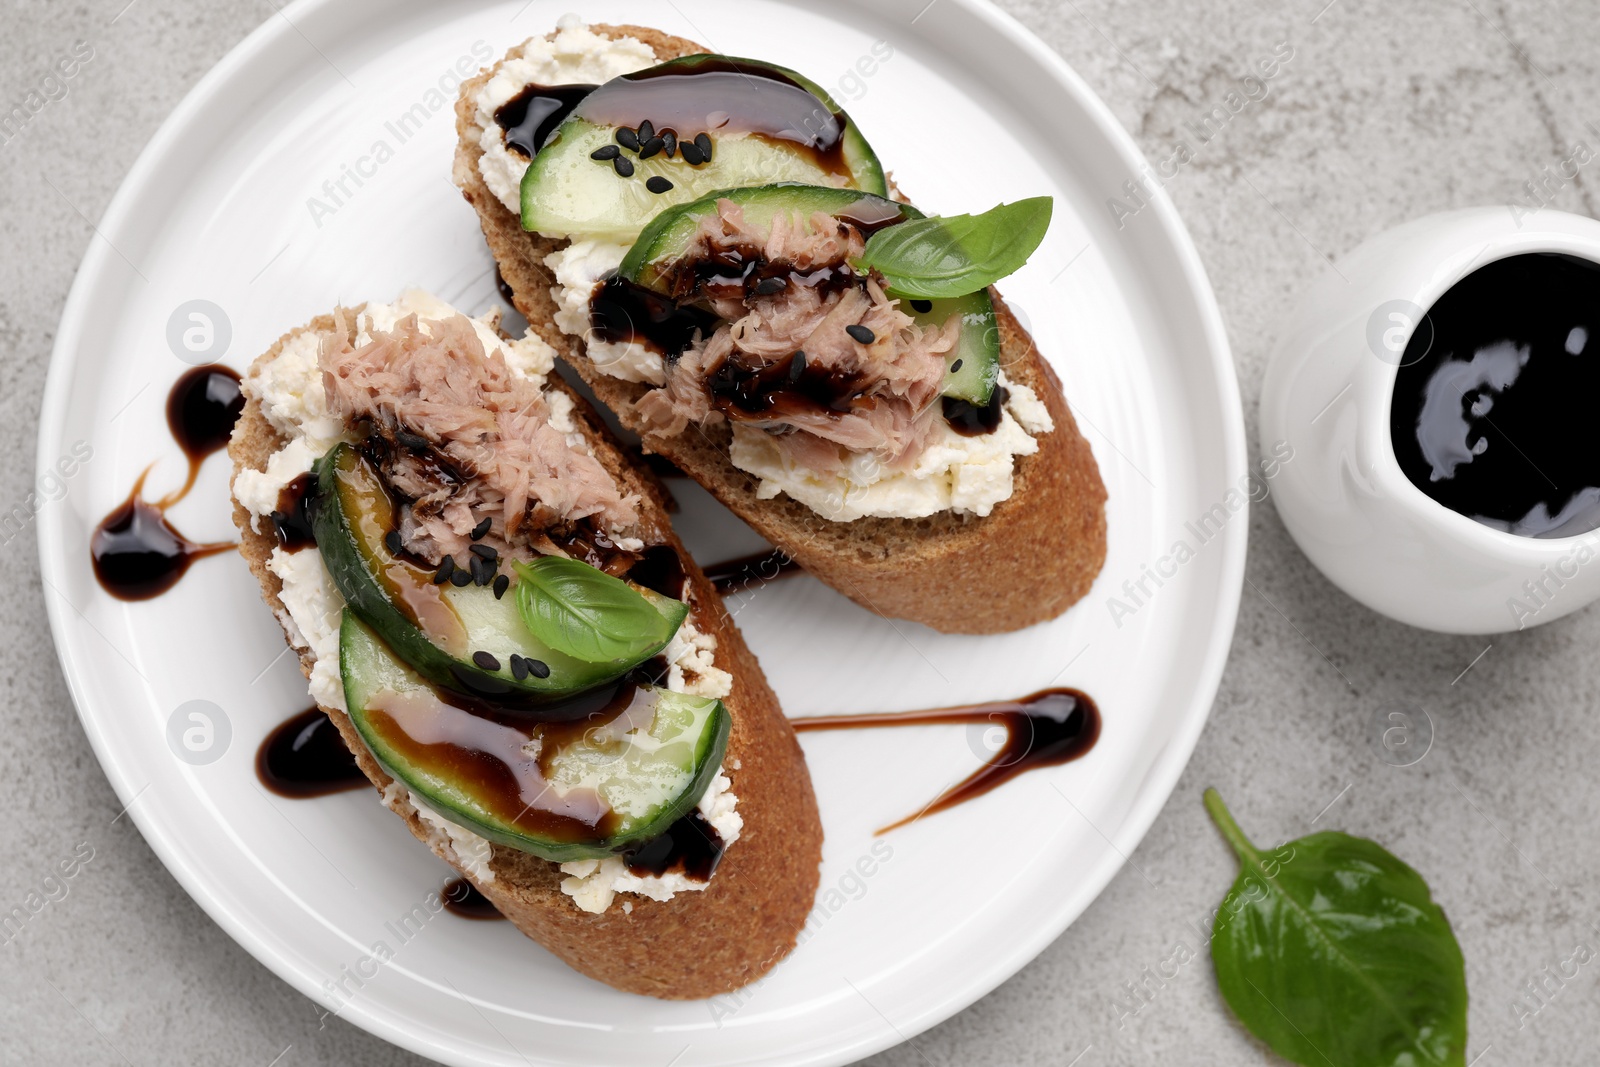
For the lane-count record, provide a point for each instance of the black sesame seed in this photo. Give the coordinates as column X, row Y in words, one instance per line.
column 922, row 306
column 647, row 130
column 623, row 167
column 606, row 151
column 861, row 333
column 702, row 141
column 628, row 138
column 797, row 366
column 481, row 529
column 391, row 541
column 519, row 667
column 538, row 668
column 460, row 578
column 501, row 584
column 955, row 366
column 482, row 570
column 768, row 286
column 486, row 551
column 415, row 442
column 658, row 184
column 447, row 567
column 669, row 143
column 651, row 147
column 485, row 660
column 691, row 154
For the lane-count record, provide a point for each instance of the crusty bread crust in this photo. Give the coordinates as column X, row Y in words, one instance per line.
column 1029, row 560
column 697, row 944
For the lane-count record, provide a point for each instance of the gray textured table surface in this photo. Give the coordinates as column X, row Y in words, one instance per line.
column 1386, row 111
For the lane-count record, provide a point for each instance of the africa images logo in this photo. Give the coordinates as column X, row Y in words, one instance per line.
column 1197, row 533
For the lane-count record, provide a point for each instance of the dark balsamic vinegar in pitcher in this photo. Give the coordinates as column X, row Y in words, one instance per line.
column 1493, row 411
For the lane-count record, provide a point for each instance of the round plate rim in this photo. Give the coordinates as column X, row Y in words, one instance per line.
column 1159, row 781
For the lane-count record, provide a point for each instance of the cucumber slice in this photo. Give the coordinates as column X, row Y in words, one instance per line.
column 561, row 791
column 666, row 240
column 855, row 153
column 437, row 628
column 765, row 123
column 565, row 193
column 973, row 366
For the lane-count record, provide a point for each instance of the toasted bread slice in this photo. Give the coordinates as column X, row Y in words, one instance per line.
column 696, row 944
column 1030, row 559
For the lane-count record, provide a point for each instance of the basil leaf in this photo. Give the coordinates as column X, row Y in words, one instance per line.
column 1332, row 951
column 934, row 258
column 586, row 613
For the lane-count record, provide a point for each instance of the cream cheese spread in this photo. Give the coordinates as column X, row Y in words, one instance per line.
column 966, row 474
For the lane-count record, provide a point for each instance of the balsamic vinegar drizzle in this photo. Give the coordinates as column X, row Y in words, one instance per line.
column 530, row 117
column 202, row 407
column 504, row 288
column 622, row 311
column 733, row 575
column 970, row 420
column 785, row 387
column 666, row 321
column 305, row 757
column 291, row 520
column 661, row 467
column 690, row 845
column 660, row 569
column 462, row 899
column 137, row 554
column 1051, row 727
column 1492, row 413
column 692, row 97
column 482, row 750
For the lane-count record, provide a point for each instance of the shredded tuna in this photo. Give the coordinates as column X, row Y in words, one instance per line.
column 822, row 241
column 486, row 449
column 685, row 400
column 896, row 379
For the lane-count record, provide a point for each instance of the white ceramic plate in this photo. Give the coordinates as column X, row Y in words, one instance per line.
column 968, row 110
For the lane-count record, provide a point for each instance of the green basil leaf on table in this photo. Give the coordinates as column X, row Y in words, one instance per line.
column 1337, row 956
column 585, row 613
column 935, row 258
